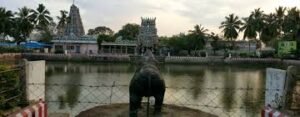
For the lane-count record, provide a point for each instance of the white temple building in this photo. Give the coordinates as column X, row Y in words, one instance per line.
column 73, row 40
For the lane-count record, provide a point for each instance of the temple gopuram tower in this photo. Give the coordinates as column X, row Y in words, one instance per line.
column 147, row 38
column 74, row 26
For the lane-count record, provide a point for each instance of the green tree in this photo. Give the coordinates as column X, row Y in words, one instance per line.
column 215, row 42
column 101, row 30
column 248, row 27
column 230, row 27
column 103, row 37
column 9, row 87
column 270, row 30
column 280, row 15
column 291, row 26
column 129, row 31
column 199, row 30
column 291, row 23
column 258, row 21
column 46, row 36
column 177, row 43
column 42, row 18
column 196, row 38
column 23, row 25
column 63, row 20
column 6, row 19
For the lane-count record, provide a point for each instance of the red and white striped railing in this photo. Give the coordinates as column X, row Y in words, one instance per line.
column 37, row 110
column 269, row 112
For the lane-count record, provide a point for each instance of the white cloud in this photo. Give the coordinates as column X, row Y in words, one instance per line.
column 173, row 16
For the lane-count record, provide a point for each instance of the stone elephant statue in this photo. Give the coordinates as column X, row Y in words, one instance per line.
column 146, row 82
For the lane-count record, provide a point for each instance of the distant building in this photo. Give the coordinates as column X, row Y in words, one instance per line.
column 147, row 38
column 120, row 46
column 240, row 47
column 73, row 39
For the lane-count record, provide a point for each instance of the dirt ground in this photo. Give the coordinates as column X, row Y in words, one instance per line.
column 121, row 110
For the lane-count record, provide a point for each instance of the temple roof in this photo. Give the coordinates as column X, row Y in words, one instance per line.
column 75, row 25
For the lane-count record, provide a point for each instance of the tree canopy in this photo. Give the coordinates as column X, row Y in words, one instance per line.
column 19, row 25
column 129, row 31
column 63, row 20
column 41, row 17
column 101, row 30
column 193, row 41
column 230, row 27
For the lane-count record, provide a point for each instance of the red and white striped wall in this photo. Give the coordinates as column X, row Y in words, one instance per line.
column 269, row 112
column 37, row 110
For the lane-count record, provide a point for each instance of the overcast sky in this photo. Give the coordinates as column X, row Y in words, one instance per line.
column 173, row 16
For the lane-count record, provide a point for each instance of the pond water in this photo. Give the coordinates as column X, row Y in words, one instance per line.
column 222, row 90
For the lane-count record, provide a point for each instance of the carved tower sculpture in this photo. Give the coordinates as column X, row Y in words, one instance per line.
column 147, row 38
column 74, row 26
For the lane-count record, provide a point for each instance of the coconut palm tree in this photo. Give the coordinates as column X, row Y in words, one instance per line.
column 258, row 21
column 230, row 27
column 199, row 30
column 215, row 42
column 257, row 16
column 41, row 17
column 248, row 27
column 291, row 23
column 196, row 38
column 63, row 21
column 280, row 14
column 23, row 25
column 270, row 29
column 6, row 19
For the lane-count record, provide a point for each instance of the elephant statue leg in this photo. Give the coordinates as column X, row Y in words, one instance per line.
column 135, row 103
column 159, row 98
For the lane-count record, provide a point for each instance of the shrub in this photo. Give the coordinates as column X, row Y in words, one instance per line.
column 59, row 51
column 13, row 50
column 183, row 53
column 9, row 80
column 243, row 55
column 203, row 54
column 267, row 54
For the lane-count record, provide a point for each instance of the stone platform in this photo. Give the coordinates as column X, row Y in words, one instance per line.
column 122, row 110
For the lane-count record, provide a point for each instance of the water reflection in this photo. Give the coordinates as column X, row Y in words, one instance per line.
column 73, row 91
column 196, row 77
column 228, row 95
column 253, row 98
column 70, row 91
column 198, row 80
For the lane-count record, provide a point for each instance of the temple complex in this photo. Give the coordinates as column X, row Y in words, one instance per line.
column 74, row 41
